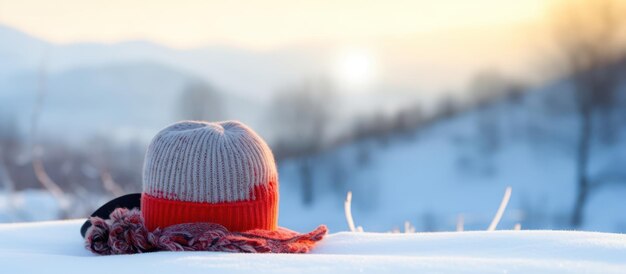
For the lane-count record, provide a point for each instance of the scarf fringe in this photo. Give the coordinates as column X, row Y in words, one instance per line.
column 125, row 233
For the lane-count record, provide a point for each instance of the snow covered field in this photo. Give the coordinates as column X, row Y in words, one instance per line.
column 56, row 247
column 438, row 174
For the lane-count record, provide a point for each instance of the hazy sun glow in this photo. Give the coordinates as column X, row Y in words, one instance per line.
column 355, row 68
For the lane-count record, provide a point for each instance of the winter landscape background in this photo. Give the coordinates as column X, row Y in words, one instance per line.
column 426, row 129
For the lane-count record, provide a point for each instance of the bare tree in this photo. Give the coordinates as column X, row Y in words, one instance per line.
column 490, row 89
column 301, row 115
column 37, row 150
column 200, row 101
column 407, row 120
column 589, row 36
column 446, row 108
column 10, row 139
column 9, row 149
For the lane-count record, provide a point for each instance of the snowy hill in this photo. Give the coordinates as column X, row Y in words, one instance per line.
column 144, row 96
column 123, row 88
column 434, row 176
column 140, row 80
column 19, row 51
column 225, row 67
column 56, row 247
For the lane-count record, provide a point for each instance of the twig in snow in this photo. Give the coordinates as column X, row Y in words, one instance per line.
column 503, row 204
column 408, row 228
column 347, row 206
column 460, row 223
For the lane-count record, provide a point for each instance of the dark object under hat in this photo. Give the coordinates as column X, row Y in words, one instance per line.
column 128, row 201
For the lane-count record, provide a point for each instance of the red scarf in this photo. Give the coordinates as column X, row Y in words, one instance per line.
column 125, row 233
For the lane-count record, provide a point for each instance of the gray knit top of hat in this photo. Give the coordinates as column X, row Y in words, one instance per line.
column 196, row 161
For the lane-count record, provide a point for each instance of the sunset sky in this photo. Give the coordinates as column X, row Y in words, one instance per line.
column 256, row 24
column 399, row 45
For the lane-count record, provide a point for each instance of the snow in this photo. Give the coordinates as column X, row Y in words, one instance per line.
column 57, row 247
column 437, row 174
column 28, row 205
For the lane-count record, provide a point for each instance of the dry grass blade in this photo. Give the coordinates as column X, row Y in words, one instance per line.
column 347, row 206
column 500, row 212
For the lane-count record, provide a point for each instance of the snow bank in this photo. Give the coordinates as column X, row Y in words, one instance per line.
column 56, row 247
column 28, row 205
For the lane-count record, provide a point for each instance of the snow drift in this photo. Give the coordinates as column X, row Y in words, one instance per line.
column 56, row 247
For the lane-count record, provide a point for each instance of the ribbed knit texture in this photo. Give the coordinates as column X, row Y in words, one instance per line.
column 205, row 166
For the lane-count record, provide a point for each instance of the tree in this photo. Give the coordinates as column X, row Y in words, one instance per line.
column 10, row 146
column 446, row 108
column 588, row 34
column 301, row 115
column 489, row 90
column 200, row 101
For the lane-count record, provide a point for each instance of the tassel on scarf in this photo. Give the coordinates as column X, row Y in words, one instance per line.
column 125, row 233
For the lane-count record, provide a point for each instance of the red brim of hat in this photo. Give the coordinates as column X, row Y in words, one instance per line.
column 259, row 213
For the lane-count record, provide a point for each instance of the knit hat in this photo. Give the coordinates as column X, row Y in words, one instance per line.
column 206, row 186
column 210, row 172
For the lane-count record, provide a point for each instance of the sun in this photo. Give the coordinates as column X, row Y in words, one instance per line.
column 355, row 68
